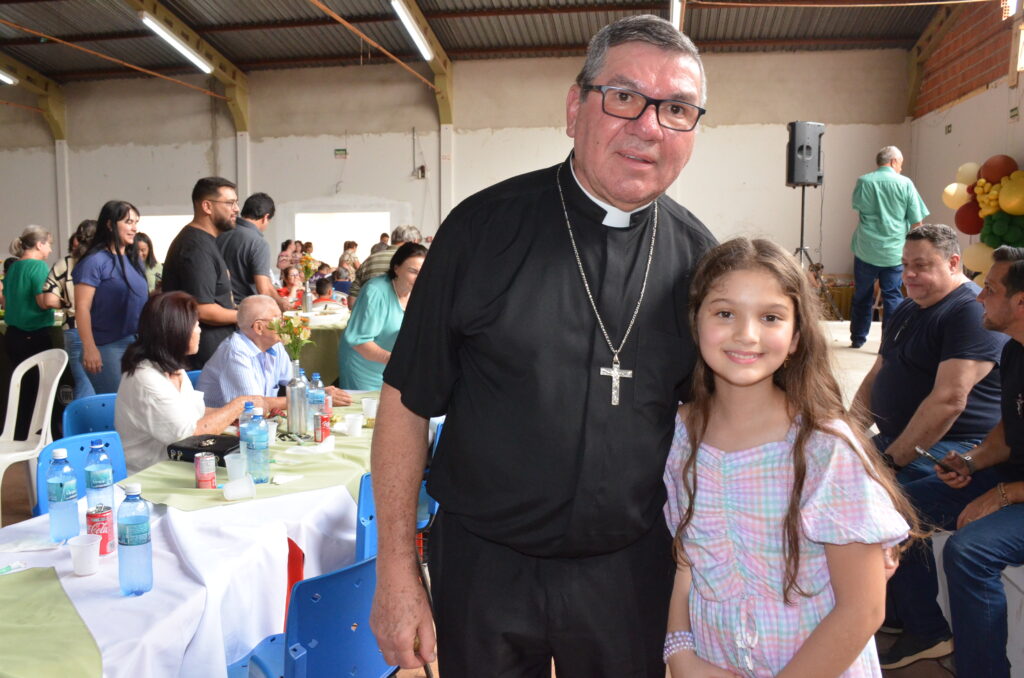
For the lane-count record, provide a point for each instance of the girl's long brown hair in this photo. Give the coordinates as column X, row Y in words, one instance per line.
column 812, row 393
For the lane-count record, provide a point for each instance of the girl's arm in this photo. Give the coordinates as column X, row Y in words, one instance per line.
column 686, row 663
column 858, row 579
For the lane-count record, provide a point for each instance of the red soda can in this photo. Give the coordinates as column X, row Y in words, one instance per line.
column 206, row 470
column 100, row 520
column 318, row 428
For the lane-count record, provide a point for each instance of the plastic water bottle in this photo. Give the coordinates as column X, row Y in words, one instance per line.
column 99, row 495
column 99, row 477
column 315, row 401
column 296, row 392
column 134, row 548
column 244, row 419
column 62, row 493
column 257, row 456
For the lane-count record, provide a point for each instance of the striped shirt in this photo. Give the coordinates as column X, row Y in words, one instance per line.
column 376, row 264
column 239, row 368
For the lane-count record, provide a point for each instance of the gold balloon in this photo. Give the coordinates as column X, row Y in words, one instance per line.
column 978, row 257
column 955, row 195
column 1011, row 197
column 967, row 173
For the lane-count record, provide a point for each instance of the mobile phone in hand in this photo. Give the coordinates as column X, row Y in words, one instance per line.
column 941, row 464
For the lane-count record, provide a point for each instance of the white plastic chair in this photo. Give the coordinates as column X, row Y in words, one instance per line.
column 51, row 364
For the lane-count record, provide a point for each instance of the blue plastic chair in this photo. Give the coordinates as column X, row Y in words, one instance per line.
column 89, row 414
column 193, row 376
column 328, row 631
column 78, row 450
column 366, row 517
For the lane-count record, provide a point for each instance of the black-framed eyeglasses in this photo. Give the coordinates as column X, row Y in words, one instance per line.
column 627, row 104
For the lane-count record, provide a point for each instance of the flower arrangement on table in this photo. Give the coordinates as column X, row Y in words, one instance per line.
column 293, row 332
column 309, row 266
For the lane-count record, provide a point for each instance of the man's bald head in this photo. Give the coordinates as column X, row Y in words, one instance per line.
column 256, row 307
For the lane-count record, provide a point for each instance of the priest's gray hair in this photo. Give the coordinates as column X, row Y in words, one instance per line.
column 253, row 308
column 887, row 155
column 405, row 233
column 640, row 28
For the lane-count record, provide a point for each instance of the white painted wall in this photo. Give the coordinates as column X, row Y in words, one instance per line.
column 147, row 141
column 980, row 128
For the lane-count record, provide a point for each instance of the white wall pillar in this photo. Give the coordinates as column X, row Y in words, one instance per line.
column 242, row 168
column 63, row 195
column 447, row 182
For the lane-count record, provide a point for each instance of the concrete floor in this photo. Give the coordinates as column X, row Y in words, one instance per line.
column 851, row 366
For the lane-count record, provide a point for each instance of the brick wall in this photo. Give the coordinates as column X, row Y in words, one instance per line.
column 975, row 52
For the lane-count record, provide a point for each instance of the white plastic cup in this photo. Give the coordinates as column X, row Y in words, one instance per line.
column 370, row 408
column 236, row 465
column 354, row 425
column 85, row 554
column 242, row 488
column 271, row 432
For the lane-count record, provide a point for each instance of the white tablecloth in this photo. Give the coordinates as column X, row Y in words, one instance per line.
column 219, row 580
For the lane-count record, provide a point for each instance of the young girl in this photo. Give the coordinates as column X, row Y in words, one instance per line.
column 781, row 514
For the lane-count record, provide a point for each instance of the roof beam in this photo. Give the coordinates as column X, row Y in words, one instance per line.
column 440, row 64
column 48, row 92
column 236, row 85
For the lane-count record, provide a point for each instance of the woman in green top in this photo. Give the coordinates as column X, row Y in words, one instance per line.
column 365, row 347
column 28, row 313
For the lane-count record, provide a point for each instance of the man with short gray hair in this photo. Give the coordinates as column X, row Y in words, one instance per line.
column 379, row 262
column 889, row 206
column 935, row 384
column 549, row 323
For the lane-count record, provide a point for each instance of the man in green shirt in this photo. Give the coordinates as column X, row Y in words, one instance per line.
column 889, row 207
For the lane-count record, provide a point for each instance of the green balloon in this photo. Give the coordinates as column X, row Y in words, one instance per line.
column 992, row 240
column 1014, row 235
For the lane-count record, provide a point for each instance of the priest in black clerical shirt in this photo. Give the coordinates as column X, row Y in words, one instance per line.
column 549, row 323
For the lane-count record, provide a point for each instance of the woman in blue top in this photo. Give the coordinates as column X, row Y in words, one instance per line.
column 110, row 291
column 365, row 347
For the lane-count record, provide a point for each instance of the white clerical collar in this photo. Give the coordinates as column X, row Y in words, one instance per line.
column 613, row 217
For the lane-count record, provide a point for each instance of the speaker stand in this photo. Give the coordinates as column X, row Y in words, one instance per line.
column 803, row 257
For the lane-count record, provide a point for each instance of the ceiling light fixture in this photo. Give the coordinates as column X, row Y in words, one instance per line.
column 414, row 31
column 175, row 42
column 7, row 79
column 675, row 9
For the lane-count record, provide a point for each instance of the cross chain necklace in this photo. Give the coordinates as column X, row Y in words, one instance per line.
column 614, row 372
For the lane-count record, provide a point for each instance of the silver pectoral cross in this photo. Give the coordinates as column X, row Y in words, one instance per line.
column 615, row 373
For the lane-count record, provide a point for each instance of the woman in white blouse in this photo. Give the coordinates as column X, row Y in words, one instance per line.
column 156, row 404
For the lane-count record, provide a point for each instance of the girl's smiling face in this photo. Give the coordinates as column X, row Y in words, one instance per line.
column 746, row 327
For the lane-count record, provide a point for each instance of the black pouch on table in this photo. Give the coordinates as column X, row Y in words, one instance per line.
column 219, row 445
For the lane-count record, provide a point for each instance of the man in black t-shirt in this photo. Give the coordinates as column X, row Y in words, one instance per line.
column 560, row 394
column 194, row 263
column 983, row 500
column 935, row 383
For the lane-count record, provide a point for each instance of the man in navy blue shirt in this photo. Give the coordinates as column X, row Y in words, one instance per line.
column 935, row 383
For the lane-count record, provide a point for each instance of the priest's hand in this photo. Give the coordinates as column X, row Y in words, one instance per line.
column 401, row 618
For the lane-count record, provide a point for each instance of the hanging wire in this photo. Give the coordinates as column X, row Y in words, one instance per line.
column 29, row 108
column 113, row 59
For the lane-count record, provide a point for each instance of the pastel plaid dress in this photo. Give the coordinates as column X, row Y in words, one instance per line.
column 735, row 543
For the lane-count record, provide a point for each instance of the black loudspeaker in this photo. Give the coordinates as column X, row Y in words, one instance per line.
column 803, row 154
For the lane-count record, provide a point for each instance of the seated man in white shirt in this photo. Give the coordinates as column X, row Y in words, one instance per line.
column 253, row 360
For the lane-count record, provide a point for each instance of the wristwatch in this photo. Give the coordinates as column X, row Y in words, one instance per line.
column 969, row 460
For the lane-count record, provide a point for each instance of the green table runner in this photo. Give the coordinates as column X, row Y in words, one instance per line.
column 173, row 482
column 36, row 615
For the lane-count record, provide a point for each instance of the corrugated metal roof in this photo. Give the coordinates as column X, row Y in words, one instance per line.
column 277, row 33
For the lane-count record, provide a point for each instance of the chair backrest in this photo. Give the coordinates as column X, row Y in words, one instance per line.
column 51, row 364
column 193, row 376
column 328, row 631
column 78, row 449
column 90, row 414
column 366, row 517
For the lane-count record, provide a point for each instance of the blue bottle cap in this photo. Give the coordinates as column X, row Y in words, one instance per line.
column 96, row 442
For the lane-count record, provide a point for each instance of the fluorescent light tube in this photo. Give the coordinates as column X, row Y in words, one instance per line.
column 175, row 42
column 675, row 9
column 8, row 79
column 413, row 30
